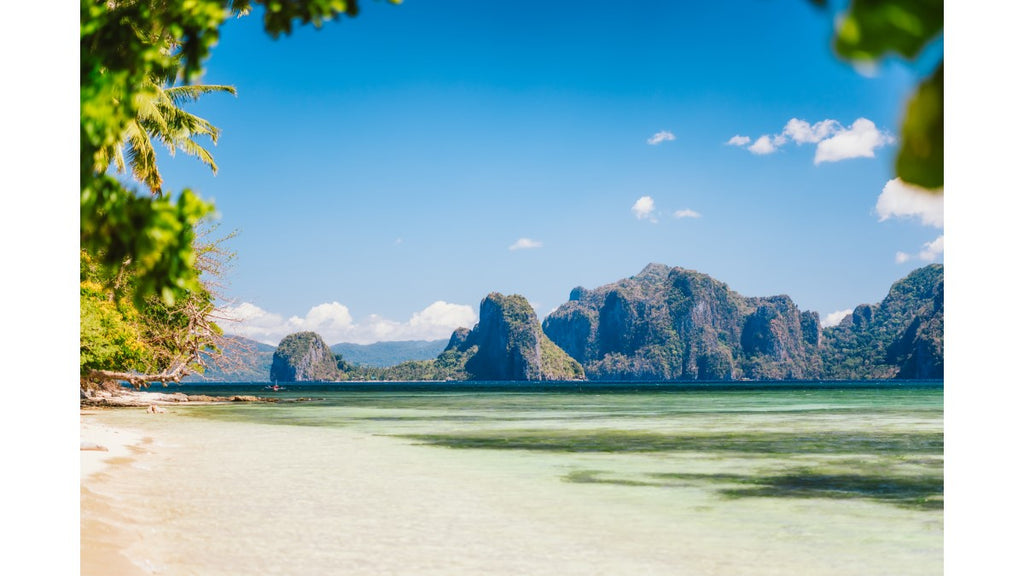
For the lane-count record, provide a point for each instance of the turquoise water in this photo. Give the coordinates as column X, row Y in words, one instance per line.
column 786, row 480
column 882, row 445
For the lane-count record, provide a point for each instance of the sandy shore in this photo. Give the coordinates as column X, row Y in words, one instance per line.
column 102, row 445
column 102, row 537
column 172, row 494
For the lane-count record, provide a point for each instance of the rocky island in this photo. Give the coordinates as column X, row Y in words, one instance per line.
column 666, row 323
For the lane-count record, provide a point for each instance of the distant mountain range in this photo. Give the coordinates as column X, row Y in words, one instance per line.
column 246, row 360
column 662, row 324
column 243, row 360
column 381, row 354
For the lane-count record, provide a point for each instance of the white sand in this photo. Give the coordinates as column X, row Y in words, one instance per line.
column 112, row 443
column 179, row 495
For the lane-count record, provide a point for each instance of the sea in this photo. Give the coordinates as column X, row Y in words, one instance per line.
column 836, row 478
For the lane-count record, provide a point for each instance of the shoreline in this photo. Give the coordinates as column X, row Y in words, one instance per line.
column 174, row 494
column 103, row 534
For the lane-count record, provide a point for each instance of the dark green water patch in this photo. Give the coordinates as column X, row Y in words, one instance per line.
column 766, row 443
column 598, row 477
column 912, row 492
column 916, row 492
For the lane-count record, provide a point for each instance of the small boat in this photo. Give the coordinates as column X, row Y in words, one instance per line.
column 274, row 388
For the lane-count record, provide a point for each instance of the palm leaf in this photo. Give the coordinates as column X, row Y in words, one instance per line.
column 184, row 94
column 191, row 148
column 142, row 157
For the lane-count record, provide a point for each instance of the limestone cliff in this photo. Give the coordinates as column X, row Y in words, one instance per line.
column 303, row 356
column 901, row 337
column 672, row 323
column 677, row 324
column 508, row 344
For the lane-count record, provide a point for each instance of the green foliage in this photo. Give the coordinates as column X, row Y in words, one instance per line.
column 110, row 338
column 124, row 336
column 873, row 28
column 128, row 49
column 160, row 117
column 920, row 159
column 870, row 30
column 154, row 234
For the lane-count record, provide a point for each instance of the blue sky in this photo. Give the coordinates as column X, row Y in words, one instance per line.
column 381, row 169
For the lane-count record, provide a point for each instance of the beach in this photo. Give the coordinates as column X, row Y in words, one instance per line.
column 225, row 494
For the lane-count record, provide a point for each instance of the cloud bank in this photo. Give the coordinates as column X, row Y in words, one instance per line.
column 335, row 323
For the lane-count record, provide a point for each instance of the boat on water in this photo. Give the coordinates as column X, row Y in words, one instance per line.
column 274, row 388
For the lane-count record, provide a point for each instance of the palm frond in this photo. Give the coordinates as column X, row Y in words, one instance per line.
column 182, row 122
column 149, row 112
column 191, row 148
column 184, row 94
column 159, row 117
column 142, row 157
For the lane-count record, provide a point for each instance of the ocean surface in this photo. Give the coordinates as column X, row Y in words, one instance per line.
column 417, row 478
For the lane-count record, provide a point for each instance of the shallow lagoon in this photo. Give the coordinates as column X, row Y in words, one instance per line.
column 715, row 481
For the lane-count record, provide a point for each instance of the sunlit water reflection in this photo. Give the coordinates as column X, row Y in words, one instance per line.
column 831, row 481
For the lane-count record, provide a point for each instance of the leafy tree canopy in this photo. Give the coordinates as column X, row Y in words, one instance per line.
column 128, row 50
column 872, row 29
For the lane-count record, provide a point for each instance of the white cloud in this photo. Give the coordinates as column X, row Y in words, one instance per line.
column 901, row 200
column 643, row 208
column 324, row 318
column 857, row 141
column 834, row 142
column 525, row 244
column 762, row 146
column 802, row 132
column 932, row 250
column 334, row 323
column 441, row 313
column 253, row 322
column 660, row 137
column 686, row 213
column 834, row 318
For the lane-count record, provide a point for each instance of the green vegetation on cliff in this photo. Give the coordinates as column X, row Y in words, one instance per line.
column 901, row 337
column 303, row 356
column 676, row 324
column 671, row 324
column 508, row 344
